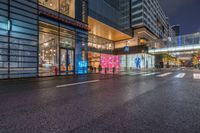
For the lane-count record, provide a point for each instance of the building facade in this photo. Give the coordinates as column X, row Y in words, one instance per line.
column 109, row 21
column 42, row 38
column 149, row 14
column 177, row 29
column 65, row 37
column 148, row 23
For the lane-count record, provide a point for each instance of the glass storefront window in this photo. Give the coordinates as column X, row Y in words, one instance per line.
column 137, row 61
column 67, row 7
column 52, row 4
column 104, row 61
column 67, row 38
column 48, row 54
column 48, row 50
column 56, row 50
column 100, row 44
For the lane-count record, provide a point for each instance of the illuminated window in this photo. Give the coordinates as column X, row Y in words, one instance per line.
column 56, row 43
column 52, row 4
column 48, row 49
column 67, row 7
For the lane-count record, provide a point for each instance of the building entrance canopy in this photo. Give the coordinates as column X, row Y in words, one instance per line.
column 182, row 43
column 100, row 29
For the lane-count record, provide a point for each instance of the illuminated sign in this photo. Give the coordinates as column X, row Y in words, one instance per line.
column 82, row 67
column 66, row 20
column 82, row 64
column 126, row 49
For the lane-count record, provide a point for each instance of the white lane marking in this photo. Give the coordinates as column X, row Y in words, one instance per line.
column 196, row 75
column 136, row 73
column 123, row 74
column 79, row 83
column 164, row 74
column 180, row 75
column 150, row 74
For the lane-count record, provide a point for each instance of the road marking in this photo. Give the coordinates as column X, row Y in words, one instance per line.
column 150, row 74
column 136, row 73
column 164, row 74
column 79, row 83
column 180, row 75
column 196, row 75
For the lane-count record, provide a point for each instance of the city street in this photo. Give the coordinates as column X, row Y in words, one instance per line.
column 138, row 102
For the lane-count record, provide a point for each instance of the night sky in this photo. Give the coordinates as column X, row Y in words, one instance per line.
column 183, row 12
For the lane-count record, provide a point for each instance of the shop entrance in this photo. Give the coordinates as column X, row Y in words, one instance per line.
column 67, row 65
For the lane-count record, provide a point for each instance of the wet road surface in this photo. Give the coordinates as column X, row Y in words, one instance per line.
column 154, row 102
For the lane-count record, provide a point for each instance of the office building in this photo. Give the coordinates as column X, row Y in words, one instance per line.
column 148, row 23
column 176, row 29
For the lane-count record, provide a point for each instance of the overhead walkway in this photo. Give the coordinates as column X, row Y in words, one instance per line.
column 182, row 43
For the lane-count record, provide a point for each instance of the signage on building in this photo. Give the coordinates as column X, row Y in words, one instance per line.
column 126, row 49
column 65, row 20
column 83, row 64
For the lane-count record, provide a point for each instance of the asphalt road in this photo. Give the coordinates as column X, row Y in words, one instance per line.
column 161, row 102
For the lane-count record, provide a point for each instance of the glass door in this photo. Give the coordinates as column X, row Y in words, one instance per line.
column 70, row 62
column 67, row 62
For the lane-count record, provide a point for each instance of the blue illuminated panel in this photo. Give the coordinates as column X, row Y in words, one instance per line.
column 81, row 53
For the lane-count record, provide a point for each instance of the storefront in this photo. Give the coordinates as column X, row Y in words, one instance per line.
column 133, row 62
column 43, row 38
column 56, row 50
column 100, row 55
column 103, row 63
column 63, row 37
column 134, row 55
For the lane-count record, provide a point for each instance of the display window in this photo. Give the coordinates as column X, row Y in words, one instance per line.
column 56, row 51
column 103, row 63
column 48, row 51
column 136, row 62
column 66, row 7
column 51, row 4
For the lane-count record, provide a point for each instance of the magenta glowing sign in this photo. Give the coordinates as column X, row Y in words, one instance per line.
column 110, row 61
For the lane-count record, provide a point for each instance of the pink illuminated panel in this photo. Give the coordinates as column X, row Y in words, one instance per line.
column 110, row 61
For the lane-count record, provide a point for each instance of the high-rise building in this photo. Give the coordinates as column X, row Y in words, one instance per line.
column 149, row 14
column 176, row 29
column 148, row 23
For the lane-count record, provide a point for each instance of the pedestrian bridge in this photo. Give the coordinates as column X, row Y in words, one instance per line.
column 182, row 43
